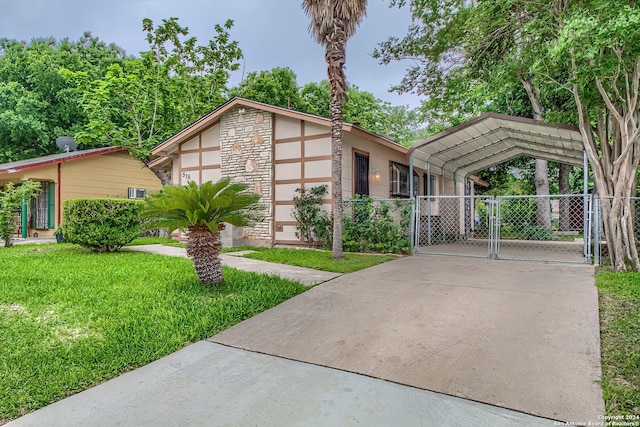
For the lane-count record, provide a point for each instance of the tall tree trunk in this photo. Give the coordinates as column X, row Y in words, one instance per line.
column 336, row 174
column 614, row 172
column 203, row 247
column 543, row 218
column 335, row 58
column 542, row 168
column 564, row 188
column 163, row 176
column 165, row 179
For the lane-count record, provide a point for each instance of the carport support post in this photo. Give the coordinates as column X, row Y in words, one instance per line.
column 596, row 229
column 440, row 210
column 585, row 213
column 412, row 226
column 428, row 204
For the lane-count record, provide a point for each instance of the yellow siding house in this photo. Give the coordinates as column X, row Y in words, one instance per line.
column 98, row 172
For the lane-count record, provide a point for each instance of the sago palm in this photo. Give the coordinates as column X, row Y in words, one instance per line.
column 202, row 211
column 332, row 23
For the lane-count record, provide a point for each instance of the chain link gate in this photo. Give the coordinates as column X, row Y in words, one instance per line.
column 505, row 227
column 455, row 225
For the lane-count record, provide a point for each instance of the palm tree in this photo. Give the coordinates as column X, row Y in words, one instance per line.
column 202, row 211
column 332, row 23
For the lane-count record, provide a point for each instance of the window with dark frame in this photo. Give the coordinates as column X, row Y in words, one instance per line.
column 399, row 185
column 429, row 185
column 360, row 174
column 40, row 209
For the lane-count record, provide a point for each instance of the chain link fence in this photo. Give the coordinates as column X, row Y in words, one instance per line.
column 456, row 225
column 548, row 228
column 542, row 228
column 376, row 225
column 507, row 227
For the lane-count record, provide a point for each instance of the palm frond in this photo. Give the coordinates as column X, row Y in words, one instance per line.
column 183, row 206
column 326, row 14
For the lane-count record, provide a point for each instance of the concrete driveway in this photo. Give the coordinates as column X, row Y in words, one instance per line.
column 518, row 335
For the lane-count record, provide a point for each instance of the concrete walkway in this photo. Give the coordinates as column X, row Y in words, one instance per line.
column 306, row 276
column 371, row 347
column 207, row 384
column 31, row 241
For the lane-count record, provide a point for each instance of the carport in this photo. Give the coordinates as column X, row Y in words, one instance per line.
column 478, row 144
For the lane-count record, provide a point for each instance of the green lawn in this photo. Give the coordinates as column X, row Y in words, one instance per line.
column 156, row 241
column 619, row 295
column 310, row 258
column 70, row 319
column 318, row 260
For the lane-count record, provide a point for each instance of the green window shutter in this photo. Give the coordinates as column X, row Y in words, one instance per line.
column 25, row 218
column 52, row 206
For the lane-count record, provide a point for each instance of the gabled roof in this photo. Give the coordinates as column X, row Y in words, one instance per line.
column 492, row 139
column 51, row 159
column 187, row 133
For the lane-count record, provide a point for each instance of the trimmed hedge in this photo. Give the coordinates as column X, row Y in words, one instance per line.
column 103, row 225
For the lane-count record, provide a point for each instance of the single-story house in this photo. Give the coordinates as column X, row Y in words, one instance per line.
column 277, row 150
column 98, row 172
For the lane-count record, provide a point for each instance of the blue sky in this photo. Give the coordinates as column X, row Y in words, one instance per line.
column 272, row 33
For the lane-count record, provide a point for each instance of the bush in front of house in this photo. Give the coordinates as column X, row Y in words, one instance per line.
column 376, row 225
column 102, row 225
column 537, row 232
column 315, row 225
column 10, row 200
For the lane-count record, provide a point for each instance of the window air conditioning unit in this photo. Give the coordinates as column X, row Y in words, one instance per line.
column 137, row 193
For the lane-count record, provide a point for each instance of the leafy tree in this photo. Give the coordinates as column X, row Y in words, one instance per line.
column 202, row 211
column 316, row 98
column 11, row 199
column 597, row 53
column 579, row 62
column 36, row 104
column 332, row 23
column 276, row 87
column 121, row 107
column 201, row 71
column 138, row 103
column 473, row 58
column 397, row 122
column 23, row 124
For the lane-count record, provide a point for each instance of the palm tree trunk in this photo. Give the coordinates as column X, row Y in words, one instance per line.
column 203, row 247
column 335, row 57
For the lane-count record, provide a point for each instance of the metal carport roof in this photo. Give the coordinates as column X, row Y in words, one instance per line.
column 492, row 139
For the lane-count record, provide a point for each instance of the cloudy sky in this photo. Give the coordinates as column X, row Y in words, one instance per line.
column 271, row 33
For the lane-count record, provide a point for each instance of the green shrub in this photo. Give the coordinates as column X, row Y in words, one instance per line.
column 482, row 216
column 519, row 213
column 376, row 226
column 507, row 231
column 102, row 225
column 315, row 225
column 11, row 198
column 536, row 232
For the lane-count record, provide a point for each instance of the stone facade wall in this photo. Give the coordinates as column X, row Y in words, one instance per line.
column 246, row 155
